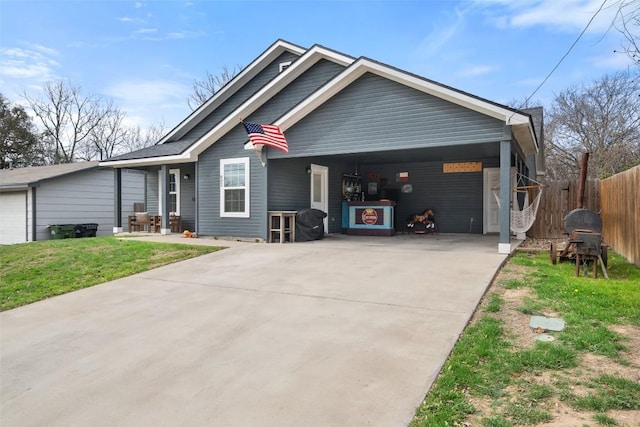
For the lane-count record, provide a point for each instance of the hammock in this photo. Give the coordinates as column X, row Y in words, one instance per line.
column 522, row 220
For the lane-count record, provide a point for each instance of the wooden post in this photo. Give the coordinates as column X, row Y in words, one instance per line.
column 117, row 201
column 583, row 179
column 504, row 242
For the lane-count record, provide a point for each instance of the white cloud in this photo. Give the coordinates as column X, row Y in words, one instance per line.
column 130, row 20
column 176, row 35
column 34, row 63
column 20, row 70
column 476, row 70
column 613, row 61
column 148, row 91
column 442, row 32
column 532, row 82
column 43, row 49
column 559, row 15
column 149, row 101
column 149, row 35
column 146, row 30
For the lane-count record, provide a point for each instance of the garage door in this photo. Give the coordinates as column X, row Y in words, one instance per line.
column 13, row 218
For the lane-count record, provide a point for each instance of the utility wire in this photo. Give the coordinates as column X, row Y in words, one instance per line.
column 584, row 30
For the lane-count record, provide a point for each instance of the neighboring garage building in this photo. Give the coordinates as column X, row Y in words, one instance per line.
column 33, row 198
column 412, row 140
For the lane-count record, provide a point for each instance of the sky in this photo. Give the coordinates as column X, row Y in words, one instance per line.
column 145, row 55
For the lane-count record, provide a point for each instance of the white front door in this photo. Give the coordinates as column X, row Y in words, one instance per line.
column 320, row 190
column 491, row 211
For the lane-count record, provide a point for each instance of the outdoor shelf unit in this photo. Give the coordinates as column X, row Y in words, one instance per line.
column 282, row 226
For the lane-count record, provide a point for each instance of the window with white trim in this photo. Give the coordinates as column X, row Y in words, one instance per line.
column 283, row 66
column 234, row 187
column 174, row 192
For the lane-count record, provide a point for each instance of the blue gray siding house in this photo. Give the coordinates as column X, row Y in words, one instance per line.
column 33, row 198
column 340, row 114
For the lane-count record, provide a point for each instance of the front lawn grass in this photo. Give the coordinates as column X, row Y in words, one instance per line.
column 490, row 380
column 34, row 271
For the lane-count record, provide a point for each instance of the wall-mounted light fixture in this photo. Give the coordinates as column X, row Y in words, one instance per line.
column 186, row 176
column 308, row 169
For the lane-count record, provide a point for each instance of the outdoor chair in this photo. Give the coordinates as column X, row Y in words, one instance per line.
column 140, row 221
column 175, row 223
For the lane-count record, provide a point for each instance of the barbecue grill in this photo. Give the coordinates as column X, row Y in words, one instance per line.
column 585, row 242
column 584, row 228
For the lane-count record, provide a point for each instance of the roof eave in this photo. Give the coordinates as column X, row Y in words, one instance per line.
column 525, row 138
column 14, row 187
column 150, row 161
column 275, row 50
column 520, row 121
column 311, row 57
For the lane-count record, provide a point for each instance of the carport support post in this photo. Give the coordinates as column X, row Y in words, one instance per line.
column 164, row 189
column 117, row 202
column 504, row 243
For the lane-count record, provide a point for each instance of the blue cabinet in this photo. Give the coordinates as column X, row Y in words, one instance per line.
column 370, row 218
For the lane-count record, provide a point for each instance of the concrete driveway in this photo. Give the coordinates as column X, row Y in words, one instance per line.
column 345, row 331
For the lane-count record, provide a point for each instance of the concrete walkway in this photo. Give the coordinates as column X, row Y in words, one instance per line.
column 346, row 331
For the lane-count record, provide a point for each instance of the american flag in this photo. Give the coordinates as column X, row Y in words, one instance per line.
column 268, row 135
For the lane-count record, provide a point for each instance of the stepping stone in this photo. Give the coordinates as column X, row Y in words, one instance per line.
column 546, row 323
column 545, row 338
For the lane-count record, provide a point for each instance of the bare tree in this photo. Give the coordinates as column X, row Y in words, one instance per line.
column 628, row 23
column 603, row 119
column 138, row 138
column 67, row 118
column 112, row 138
column 108, row 137
column 205, row 89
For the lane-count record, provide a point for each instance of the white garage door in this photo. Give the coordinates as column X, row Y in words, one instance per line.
column 13, row 218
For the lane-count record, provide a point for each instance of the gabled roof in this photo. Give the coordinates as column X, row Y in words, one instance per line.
column 18, row 178
column 521, row 123
column 188, row 151
column 248, row 73
column 281, row 81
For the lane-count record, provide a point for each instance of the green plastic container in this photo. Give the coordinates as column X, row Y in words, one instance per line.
column 62, row 231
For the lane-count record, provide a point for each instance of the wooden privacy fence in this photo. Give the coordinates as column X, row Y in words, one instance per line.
column 557, row 200
column 620, row 201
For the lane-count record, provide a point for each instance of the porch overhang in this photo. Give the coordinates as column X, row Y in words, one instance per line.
column 525, row 137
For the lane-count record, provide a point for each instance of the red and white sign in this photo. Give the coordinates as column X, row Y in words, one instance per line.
column 369, row 216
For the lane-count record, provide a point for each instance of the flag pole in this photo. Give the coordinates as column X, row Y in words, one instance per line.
column 255, row 149
column 259, row 154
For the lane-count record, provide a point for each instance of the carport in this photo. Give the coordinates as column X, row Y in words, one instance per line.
column 257, row 334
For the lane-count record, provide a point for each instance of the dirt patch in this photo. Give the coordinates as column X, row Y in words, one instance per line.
column 542, row 245
column 522, row 336
column 633, row 343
